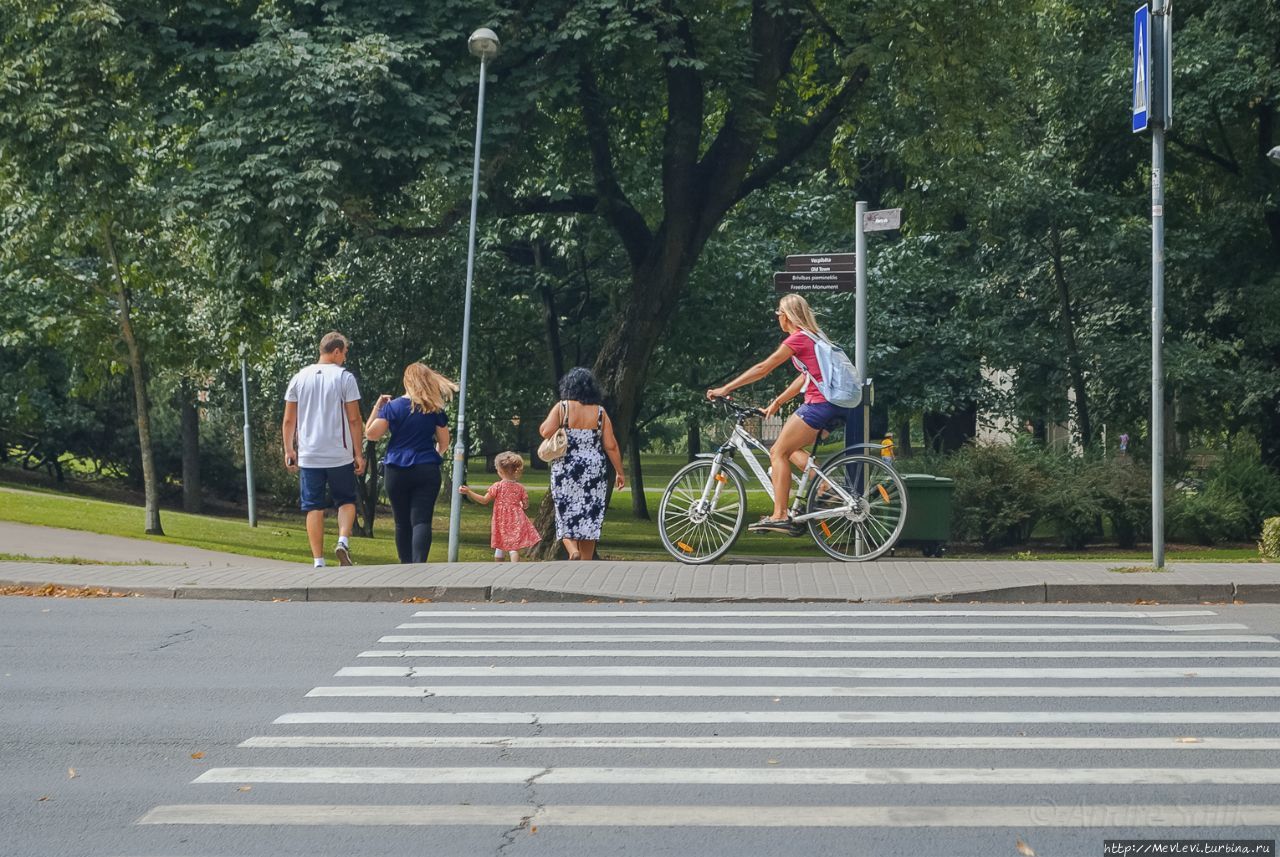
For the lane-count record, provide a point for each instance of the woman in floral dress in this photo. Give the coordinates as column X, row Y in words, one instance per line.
column 579, row 480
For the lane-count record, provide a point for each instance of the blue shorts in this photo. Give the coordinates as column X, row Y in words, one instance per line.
column 341, row 482
column 822, row 416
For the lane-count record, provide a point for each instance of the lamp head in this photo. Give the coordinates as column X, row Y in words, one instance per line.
column 484, row 44
column 1274, row 155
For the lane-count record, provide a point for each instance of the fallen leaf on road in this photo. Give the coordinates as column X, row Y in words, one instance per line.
column 1024, row 849
column 197, row 755
column 777, row 699
column 1189, row 740
column 1191, row 675
column 43, row 798
column 71, row 773
column 245, row 789
column 50, row 590
column 771, row 762
column 416, row 599
column 280, row 600
column 533, row 829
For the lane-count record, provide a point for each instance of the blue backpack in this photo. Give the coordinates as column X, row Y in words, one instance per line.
column 841, row 384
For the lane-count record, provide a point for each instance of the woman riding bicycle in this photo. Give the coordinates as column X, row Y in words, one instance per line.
column 802, row 428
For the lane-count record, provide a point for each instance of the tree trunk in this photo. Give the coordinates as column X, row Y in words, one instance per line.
column 639, row 503
column 693, row 437
column 142, row 407
column 192, row 500
column 551, row 316
column 1074, row 363
column 367, row 492
column 902, row 443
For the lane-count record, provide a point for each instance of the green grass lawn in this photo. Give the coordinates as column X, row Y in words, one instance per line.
column 283, row 537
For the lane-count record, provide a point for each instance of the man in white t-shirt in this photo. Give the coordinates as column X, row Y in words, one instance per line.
column 323, row 435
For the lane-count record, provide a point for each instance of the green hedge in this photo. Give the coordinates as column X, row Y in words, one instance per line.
column 1003, row 491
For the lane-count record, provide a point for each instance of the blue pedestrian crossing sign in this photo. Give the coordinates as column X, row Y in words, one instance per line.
column 1141, row 68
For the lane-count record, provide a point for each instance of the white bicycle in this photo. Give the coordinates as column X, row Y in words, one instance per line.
column 854, row 505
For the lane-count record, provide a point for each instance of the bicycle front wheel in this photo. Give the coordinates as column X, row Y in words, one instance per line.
column 700, row 516
column 861, row 504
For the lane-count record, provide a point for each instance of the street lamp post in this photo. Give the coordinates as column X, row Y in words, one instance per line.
column 484, row 45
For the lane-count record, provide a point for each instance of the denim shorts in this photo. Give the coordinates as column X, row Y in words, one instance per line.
column 822, row 416
column 341, row 482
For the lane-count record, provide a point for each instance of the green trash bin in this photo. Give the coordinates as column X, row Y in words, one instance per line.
column 928, row 524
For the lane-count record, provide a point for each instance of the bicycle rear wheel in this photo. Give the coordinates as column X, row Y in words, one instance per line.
column 694, row 530
column 871, row 524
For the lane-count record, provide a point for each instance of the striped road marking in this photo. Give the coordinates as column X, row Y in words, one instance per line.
column 1094, row 691
column 752, row 742
column 1065, row 815
column 824, row 614
column 814, row 672
column 1056, row 639
column 834, row 626
column 850, row 654
column 548, row 718
column 508, row 775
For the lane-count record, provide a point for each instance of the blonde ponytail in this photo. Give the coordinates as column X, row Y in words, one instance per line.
column 427, row 389
column 796, row 308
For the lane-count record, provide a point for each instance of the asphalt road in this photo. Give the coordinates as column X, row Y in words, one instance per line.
column 225, row 728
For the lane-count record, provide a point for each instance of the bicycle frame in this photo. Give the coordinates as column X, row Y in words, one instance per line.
column 744, row 442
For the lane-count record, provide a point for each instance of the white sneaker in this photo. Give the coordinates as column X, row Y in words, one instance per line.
column 344, row 554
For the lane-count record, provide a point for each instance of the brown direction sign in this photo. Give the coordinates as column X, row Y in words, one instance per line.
column 821, row 263
column 805, row 281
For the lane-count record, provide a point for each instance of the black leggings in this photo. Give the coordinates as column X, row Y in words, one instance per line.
column 413, row 492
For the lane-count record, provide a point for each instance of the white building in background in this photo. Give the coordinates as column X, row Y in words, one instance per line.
column 995, row 428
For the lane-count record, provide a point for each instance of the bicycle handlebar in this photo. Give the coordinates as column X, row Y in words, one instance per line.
column 739, row 410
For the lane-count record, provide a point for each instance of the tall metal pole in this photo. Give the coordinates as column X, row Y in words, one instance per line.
column 860, row 310
column 460, row 448
column 248, row 446
column 1160, row 90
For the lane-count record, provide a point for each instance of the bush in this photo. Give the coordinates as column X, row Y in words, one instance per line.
column 1253, row 484
column 1269, row 547
column 1072, row 499
column 999, row 493
column 1206, row 517
column 1124, row 492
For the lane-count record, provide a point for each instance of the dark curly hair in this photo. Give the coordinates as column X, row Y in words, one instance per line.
column 579, row 385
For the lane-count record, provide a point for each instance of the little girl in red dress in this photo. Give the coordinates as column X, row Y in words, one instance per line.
column 512, row 530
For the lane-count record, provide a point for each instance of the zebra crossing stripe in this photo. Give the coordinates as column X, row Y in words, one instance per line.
column 511, row 775
column 753, row 742
column 1219, row 814
column 827, row 654
column 833, row 626
column 823, row 614
column 813, row 672
column 1056, row 639
column 575, row 690
column 556, row 718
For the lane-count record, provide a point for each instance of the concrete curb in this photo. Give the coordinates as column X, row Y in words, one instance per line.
column 1038, row 593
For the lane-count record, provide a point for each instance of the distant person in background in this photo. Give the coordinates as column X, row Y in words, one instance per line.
column 419, row 439
column 886, row 447
column 322, row 442
column 579, row 481
column 1124, row 444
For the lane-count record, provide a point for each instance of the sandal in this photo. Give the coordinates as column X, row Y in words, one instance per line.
column 774, row 525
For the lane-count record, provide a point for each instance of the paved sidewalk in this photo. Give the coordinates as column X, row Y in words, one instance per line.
column 37, row 541
column 885, row 580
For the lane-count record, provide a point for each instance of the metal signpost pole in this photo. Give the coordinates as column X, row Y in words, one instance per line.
column 484, row 44
column 1161, row 113
column 860, row 313
column 248, row 445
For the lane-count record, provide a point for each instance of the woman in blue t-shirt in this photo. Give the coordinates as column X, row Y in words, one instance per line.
column 419, row 438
